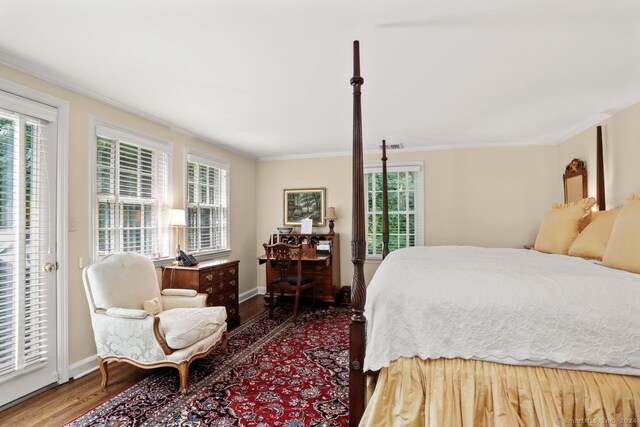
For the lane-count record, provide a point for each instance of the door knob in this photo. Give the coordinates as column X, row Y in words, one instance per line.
column 50, row 267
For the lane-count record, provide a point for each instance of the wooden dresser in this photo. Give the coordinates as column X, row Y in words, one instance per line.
column 217, row 278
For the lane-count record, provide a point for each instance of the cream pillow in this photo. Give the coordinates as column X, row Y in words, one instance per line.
column 153, row 306
column 560, row 226
column 178, row 292
column 623, row 249
column 592, row 242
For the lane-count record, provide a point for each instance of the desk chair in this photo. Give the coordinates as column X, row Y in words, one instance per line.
column 280, row 257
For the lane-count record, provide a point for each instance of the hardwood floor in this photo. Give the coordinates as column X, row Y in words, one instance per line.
column 62, row 404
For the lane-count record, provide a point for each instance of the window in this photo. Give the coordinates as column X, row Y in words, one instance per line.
column 131, row 187
column 405, row 207
column 207, row 204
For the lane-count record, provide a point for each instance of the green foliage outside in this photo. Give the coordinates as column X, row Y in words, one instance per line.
column 7, row 160
column 6, row 171
column 402, row 215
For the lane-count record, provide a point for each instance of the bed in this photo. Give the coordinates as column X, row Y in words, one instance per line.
column 503, row 305
column 466, row 336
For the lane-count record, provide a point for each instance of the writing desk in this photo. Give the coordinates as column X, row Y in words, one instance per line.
column 321, row 258
column 324, row 269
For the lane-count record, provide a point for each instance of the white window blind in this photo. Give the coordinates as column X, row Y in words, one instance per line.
column 131, row 187
column 405, row 191
column 207, row 204
column 25, row 237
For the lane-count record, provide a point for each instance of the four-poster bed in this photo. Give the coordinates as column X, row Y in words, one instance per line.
column 425, row 379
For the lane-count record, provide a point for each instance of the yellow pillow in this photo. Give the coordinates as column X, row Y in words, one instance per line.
column 586, row 220
column 596, row 214
column 560, row 226
column 592, row 242
column 623, row 249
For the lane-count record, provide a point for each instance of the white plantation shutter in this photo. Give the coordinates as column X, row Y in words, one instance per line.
column 406, row 207
column 27, row 218
column 207, row 204
column 132, row 186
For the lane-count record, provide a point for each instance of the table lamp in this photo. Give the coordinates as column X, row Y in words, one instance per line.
column 177, row 220
column 331, row 216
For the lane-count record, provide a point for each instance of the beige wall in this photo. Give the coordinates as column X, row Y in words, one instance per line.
column 82, row 109
column 480, row 196
column 621, row 146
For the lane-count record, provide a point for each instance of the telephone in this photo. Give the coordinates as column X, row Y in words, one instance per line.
column 186, row 259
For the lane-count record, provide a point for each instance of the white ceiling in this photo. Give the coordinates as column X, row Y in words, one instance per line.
column 271, row 78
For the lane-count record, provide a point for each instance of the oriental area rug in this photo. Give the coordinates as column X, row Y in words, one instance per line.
column 276, row 373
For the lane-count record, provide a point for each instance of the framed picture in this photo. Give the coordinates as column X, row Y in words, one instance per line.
column 304, row 203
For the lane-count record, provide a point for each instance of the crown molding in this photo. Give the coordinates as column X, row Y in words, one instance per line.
column 593, row 121
column 557, row 139
column 305, row 156
column 32, row 69
column 48, row 76
column 408, row 150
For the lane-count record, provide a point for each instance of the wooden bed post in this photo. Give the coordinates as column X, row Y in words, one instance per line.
column 602, row 202
column 358, row 249
column 385, row 203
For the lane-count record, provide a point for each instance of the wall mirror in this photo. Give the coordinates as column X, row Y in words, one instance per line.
column 575, row 181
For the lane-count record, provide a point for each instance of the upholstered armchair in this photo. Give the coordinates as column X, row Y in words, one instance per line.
column 136, row 323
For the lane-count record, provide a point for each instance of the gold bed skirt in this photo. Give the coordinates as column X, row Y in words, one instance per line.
column 458, row 392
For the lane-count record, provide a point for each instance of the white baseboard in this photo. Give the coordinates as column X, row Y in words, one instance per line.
column 261, row 291
column 248, row 294
column 83, row 367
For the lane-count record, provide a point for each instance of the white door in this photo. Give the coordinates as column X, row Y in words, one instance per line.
column 27, row 246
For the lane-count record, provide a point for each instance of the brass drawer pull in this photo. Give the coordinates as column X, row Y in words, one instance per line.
column 233, row 283
column 232, row 271
column 233, row 296
column 221, row 273
column 232, row 310
column 209, row 289
column 209, row 277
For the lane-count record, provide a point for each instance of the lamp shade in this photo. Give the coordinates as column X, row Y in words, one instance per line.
column 176, row 218
column 331, row 213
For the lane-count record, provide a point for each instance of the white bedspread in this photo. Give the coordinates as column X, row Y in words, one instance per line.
column 510, row 306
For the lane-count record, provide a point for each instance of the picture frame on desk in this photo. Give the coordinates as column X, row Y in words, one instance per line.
column 303, row 203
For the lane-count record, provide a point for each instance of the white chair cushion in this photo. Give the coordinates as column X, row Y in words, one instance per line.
column 170, row 301
column 182, row 327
